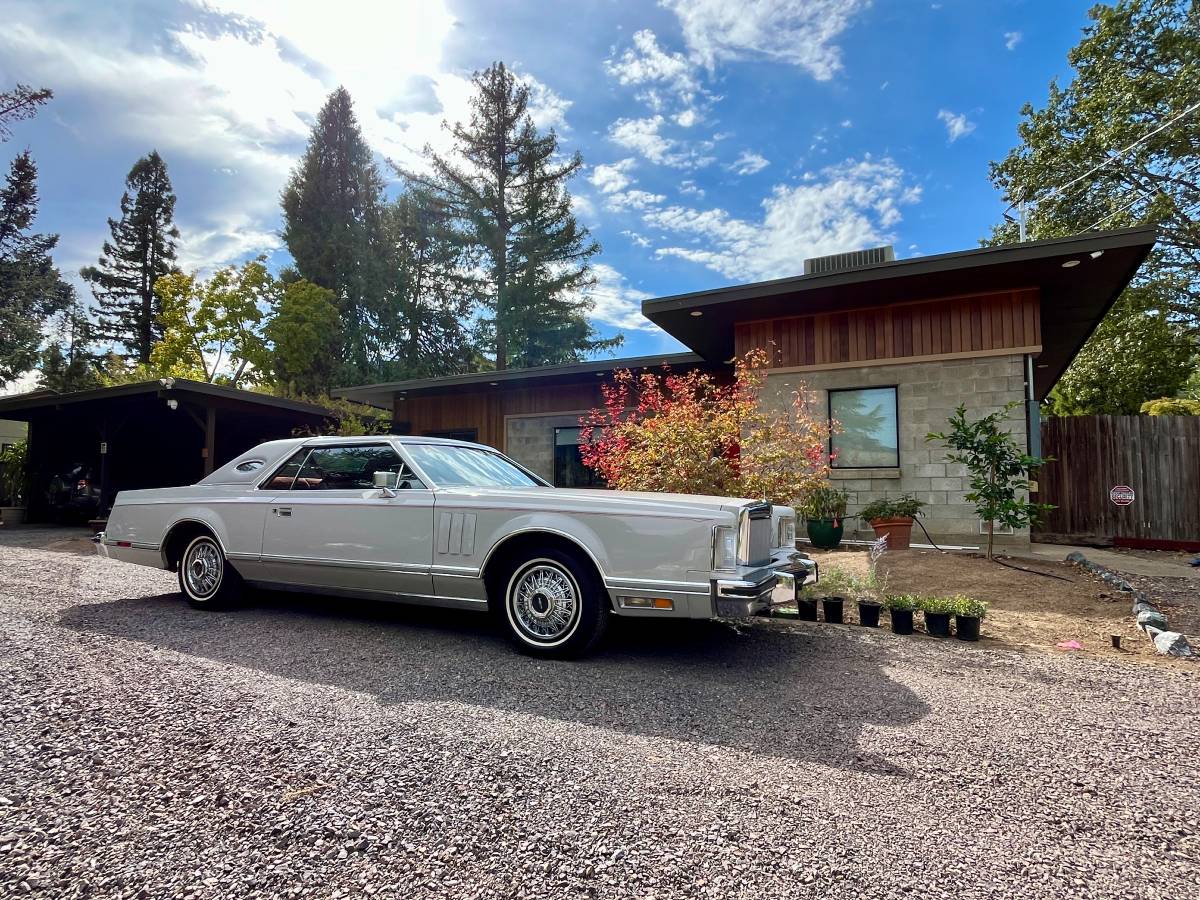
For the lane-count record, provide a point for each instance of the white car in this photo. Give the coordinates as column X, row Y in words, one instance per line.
column 450, row 523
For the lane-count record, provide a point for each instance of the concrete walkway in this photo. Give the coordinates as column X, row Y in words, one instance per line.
column 1119, row 562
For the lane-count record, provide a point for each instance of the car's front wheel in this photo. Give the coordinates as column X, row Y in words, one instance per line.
column 205, row 576
column 555, row 606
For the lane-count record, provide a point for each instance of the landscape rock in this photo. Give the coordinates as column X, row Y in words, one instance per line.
column 1172, row 643
column 1151, row 618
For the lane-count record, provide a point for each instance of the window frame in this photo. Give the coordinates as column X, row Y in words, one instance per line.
column 554, row 480
column 829, row 392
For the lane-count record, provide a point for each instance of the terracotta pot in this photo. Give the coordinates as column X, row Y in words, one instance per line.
column 898, row 531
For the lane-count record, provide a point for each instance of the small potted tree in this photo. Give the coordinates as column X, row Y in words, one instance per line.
column 967, row 614
column 872, row 587
column 893, row 518
column 824, row 512
column 837, row 584
column 900, row 608
column 937, row 612
column 12, row 484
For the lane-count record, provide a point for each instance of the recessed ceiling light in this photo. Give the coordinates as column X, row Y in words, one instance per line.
column 1070, row 263
column 1096, row 254
column 697, row 313
column 1043, row 365
column 493, row 383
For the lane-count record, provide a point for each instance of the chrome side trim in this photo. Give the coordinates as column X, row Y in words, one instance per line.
column 133, row 545
column 346, row 564
column 650, row 584
column 370, row 594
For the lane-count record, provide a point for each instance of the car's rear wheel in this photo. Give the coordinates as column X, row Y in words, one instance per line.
column 555, row 605
column 205, row 576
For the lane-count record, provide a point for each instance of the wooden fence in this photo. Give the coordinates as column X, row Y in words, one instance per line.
column 1157, row 456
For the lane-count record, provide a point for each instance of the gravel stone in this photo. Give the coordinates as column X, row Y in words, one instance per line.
column 316, row 747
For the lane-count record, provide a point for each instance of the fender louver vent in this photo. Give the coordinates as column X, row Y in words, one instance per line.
column 842, row 262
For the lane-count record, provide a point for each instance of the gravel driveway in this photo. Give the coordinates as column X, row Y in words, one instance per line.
column 321, row 748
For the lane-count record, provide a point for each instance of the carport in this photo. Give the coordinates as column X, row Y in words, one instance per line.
column 151, row 434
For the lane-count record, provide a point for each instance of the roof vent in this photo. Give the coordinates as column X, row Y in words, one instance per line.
column 843, row 262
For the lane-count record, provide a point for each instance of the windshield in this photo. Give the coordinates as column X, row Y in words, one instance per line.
column 452, row 466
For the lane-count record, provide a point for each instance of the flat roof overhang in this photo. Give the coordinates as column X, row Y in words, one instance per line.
column 1073, row 299
column 23, row 407
column 382, row 395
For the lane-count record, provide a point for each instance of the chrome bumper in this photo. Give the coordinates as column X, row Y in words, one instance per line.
column 101, row 547
column 759, row 590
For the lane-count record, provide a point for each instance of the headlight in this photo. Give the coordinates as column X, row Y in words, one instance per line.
column 724, row 549
column 787, row 533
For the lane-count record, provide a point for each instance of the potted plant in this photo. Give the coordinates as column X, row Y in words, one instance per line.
column 937, row 612
column 871, row 587
column 836, row 585
column 824, row 512
column 806, row 604
column 967, row 613
column 12, row 484
column 893, row 518
column 900, row 607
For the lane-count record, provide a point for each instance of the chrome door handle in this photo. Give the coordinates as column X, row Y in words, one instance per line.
column 284, row 511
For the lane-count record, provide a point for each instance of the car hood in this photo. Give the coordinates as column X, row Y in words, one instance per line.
column 584, row 499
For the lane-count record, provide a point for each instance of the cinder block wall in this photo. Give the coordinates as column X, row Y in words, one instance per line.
column 530, row 440
column 927, row 393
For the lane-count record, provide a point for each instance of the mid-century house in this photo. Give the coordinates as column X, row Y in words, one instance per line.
column 889, row 347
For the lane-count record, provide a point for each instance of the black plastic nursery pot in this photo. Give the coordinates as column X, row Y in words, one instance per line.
column 868, row 614
column 825, row 534
column 937, row 624
column 901, row 621
column 833, row 609
column 967, row 628
column 806, row 609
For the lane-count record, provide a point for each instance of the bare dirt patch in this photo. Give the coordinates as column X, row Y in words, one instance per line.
column 1037, row 609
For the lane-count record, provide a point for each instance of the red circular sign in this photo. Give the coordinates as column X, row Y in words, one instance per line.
column 1122, row 495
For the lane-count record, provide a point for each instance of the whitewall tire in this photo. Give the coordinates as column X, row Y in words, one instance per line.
column 555, row 605
column 205, row 576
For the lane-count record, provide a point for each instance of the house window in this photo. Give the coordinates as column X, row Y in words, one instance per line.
column 456, row 434
column 569, row 470
column 869, row 436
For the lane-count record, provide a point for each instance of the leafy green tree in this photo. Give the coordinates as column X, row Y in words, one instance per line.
column 507, row 186
column 141, row 250
column 1168, row 406
column 998, row 468
column 31, row 288
column 332, row 210
column 65, row 364
column 211, row 329
column 425, row 324
column 304, row 332
column 21, row 103
column 1117, row 146
column 1135, row 355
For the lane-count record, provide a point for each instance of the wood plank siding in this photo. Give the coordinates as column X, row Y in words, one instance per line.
column 950, row 326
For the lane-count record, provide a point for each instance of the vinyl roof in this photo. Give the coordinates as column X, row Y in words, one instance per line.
column 1073, row 300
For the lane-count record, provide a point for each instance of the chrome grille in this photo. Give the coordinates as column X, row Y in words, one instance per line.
column 756, row 535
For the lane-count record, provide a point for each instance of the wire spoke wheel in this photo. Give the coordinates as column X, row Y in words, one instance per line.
column 203, row 568
column 544, row 601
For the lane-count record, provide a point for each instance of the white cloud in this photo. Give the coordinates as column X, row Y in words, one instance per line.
column 957, row 124
column 615, row 302
column 642, row 136
column 646, row 64
column 687, row 118
column 851, row 205
column 635, row 238
column 1011, row 39
column 748, row 162
column 799, row 32
column 687, row 186
column 610, row 177
column 635, row 199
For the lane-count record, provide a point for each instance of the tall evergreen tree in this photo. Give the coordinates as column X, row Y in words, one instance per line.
column 22, row 102
column 332, row 210
column 31, row 289
column 508, row 189
column 425, row 321
column 141, row 250
column 66, row 364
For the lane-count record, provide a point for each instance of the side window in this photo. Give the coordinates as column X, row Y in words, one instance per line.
column 350, row 468
column 286, row 474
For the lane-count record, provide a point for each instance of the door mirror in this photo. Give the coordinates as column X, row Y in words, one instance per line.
column 386, row 481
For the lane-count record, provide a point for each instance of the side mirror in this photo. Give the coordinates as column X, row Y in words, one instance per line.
column 386, row 481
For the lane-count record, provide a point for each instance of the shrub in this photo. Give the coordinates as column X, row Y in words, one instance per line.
column 1171, row 406
column 968, row 608
column 824, row 502
column 836, row 583
column 902, row 602
column 904, row 506
column 12, row 473
column 692, row 435
column 944, row 606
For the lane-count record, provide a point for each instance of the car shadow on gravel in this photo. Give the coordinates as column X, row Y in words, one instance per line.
column 785, row 692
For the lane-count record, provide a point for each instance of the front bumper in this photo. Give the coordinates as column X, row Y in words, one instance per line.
column 756, row 591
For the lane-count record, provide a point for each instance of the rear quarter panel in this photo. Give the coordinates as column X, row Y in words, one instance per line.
column 235, row 514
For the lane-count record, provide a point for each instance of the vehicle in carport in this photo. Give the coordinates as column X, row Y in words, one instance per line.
column 451, row 523
column 73, row 494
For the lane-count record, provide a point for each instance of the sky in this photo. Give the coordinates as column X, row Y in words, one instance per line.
column 723, row 141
